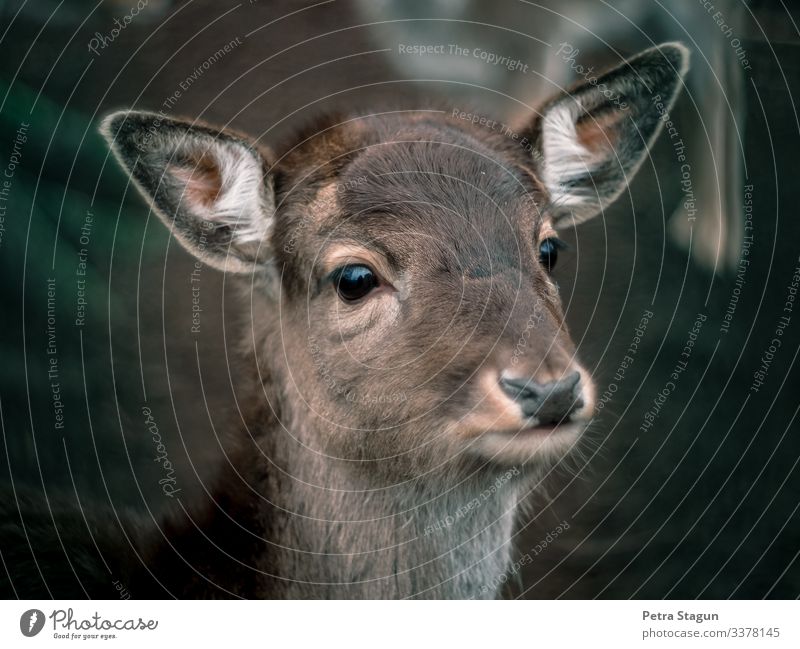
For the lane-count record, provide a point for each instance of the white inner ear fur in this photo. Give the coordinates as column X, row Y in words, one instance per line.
column 243, row 198
column 564, row 156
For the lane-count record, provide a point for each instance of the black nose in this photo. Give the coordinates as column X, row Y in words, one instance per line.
column 548, row 402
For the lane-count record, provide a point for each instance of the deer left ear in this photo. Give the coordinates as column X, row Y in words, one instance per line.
column 211, row 187
column 590, row 141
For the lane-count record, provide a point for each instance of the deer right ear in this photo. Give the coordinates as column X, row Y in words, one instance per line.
column 211, row 188
column 590, row 141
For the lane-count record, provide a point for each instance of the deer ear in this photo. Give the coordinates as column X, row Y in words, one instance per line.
column 211, row 188
column 590, row 141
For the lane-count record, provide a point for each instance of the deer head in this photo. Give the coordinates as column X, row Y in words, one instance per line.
column 398, row 263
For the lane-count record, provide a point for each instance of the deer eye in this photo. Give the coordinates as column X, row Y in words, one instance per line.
column 548, row 252
column 354, row 281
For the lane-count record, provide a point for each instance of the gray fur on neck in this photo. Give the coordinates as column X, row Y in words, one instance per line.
column 353, row 540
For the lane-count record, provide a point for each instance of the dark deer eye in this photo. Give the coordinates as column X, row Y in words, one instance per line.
column 354, row 281
column 548, row 252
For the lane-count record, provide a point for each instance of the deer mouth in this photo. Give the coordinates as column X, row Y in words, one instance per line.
column 544, row 429
column 568, row 425
column 536, row 444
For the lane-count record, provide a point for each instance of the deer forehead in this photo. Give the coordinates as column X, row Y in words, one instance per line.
column 456, row 192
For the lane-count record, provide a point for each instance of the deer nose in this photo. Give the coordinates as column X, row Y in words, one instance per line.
column 550, row 402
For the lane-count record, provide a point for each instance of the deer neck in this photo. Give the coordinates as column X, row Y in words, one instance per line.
column 355, row 540
column 335, row 532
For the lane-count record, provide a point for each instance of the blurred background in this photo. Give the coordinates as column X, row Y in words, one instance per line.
column 691, row 494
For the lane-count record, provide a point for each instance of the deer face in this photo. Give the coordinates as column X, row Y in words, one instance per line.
column 408, row 310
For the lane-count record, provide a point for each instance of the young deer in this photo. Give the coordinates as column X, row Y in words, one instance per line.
column 412, row 374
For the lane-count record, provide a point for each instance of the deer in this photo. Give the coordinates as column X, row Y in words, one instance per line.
column 411, row 373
